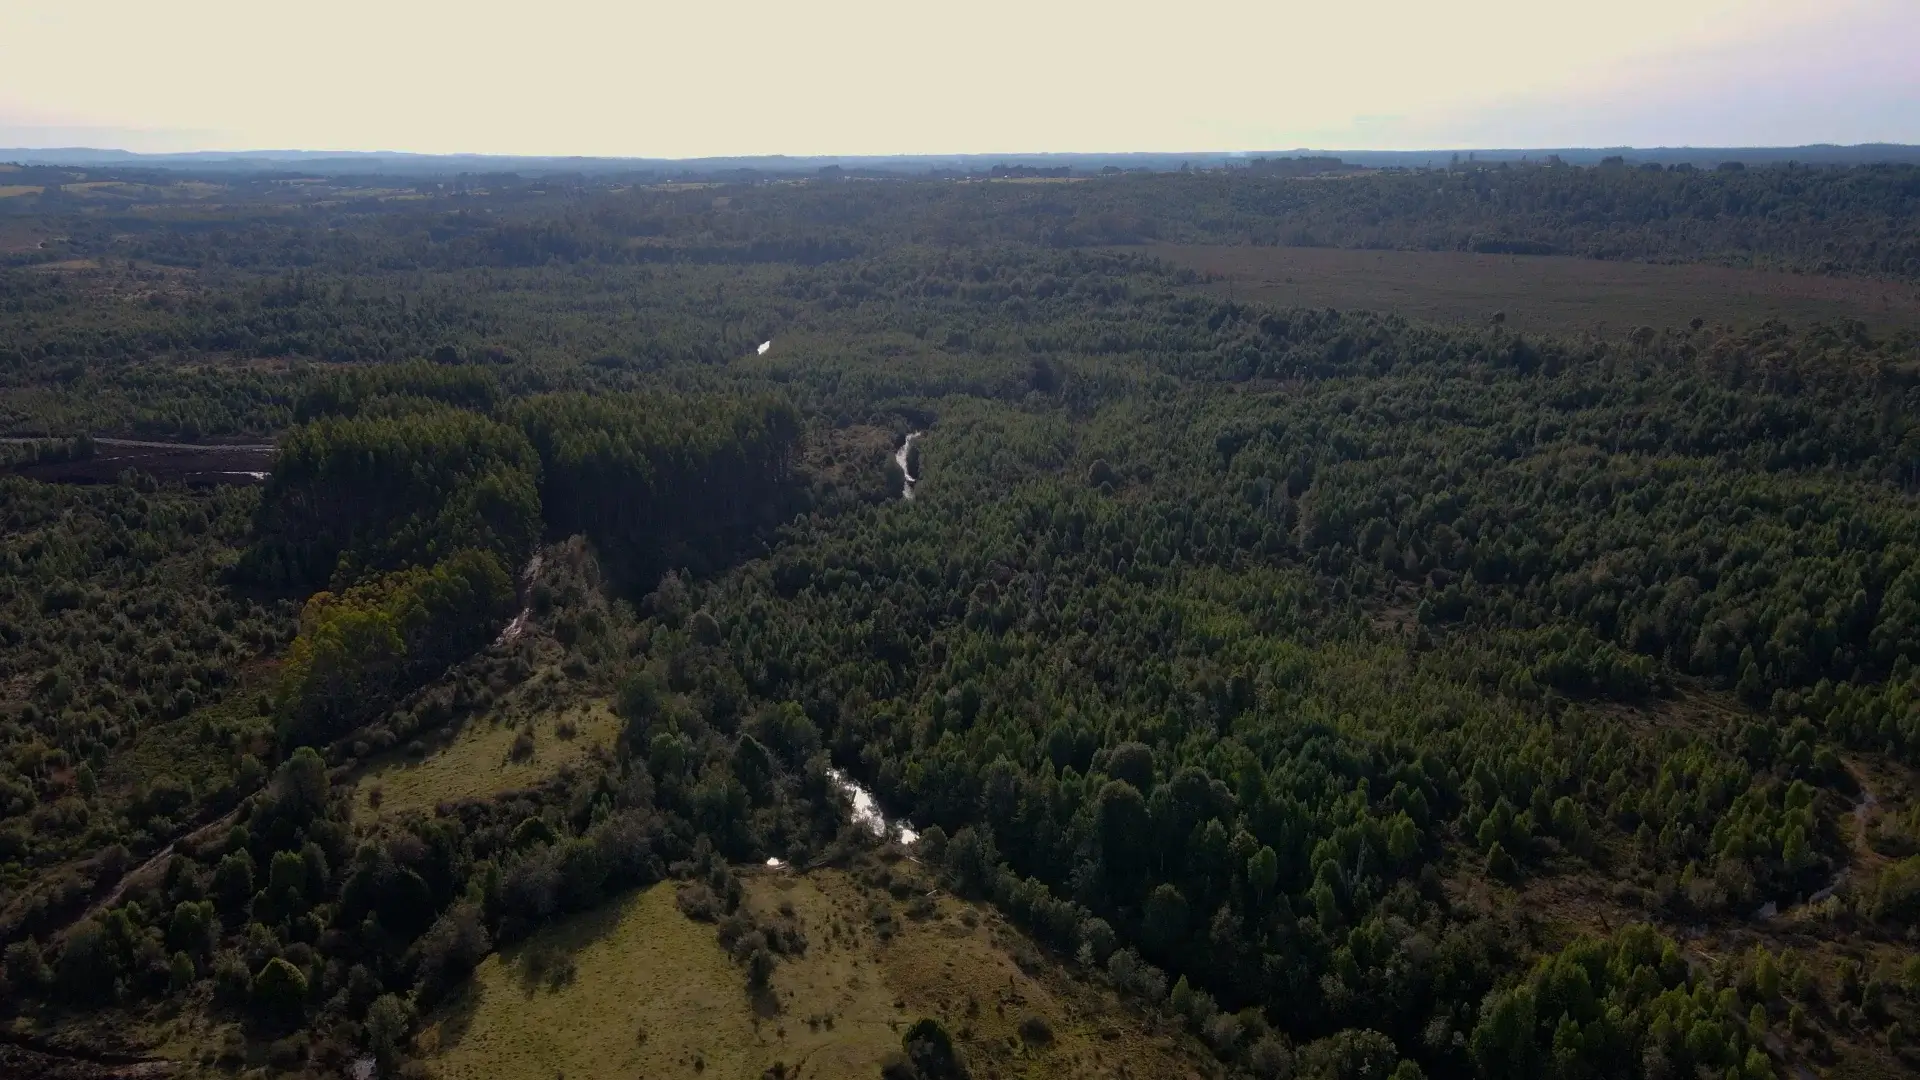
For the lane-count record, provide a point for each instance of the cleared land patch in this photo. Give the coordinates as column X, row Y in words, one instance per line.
column 480, row 759
column 650, row 993
column 197, row 464
column 1540, row 292
column 645, row 991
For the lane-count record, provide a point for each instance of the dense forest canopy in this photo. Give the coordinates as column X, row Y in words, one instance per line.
column 1824, row 219
column 1355, row 696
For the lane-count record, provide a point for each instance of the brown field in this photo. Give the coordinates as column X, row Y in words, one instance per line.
column 21, row 235
column 1540, row 292
column 196, row 464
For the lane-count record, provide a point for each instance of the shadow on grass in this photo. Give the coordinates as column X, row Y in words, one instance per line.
column 544, row 963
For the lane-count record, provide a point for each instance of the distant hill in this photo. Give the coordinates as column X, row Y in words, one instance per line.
column 392, row 162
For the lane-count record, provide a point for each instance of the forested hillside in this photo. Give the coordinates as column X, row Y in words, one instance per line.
column 1813, row 219
column 1330, row 694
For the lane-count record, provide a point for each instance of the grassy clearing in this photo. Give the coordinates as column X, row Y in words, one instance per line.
column 1540, row 292
column 8, row 191
column 649, row 992
column 478, row 759
column 984, row 980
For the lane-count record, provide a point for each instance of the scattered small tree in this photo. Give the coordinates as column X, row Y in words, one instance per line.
column 279, row 989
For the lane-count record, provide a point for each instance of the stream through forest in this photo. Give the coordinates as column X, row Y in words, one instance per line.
column 900, row 458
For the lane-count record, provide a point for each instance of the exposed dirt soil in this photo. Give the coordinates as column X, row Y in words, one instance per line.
column 197, row 464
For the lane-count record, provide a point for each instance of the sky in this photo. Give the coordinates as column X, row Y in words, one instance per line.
column 818, row 77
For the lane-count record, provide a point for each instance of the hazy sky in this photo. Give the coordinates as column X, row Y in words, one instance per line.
column 688, row 78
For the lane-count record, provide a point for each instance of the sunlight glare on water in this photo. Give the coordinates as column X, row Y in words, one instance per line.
column 867, row 812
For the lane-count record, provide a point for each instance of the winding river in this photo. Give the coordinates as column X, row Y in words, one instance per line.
column 900, row 459
column 866, row 811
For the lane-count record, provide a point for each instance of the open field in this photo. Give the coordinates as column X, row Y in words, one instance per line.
column 651, row 993
column 110, row 191
column 198, row 464
column 23, row 235
column 1540, row 292
column 477, row 760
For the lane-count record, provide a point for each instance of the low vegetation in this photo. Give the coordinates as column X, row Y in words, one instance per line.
column 486, row 756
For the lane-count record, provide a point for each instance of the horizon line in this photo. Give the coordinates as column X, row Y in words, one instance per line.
column 268, row 152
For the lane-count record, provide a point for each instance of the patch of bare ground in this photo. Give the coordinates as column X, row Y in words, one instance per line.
column 21, row 1063
column 198, row 464
column 1688, row 705
column 839, row 451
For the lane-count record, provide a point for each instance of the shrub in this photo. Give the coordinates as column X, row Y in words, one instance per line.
column 1354, row 1054
column 287, row 1054
column 530, row 832
column 1896, row 892
column 544, row 963
column 26, row 968
column 697, row 902
column 1500, row 865
column 1097, row 939
column 522, row 748
column 1035, row 1030
column 933, row 845
column 192, row 928
column 231, row 983
column 279, row 989
column 1271, row 1057
column 233, row 882
column 931, row 1051
column 89, row 966
column 388, row 1020
column 180, row 972
column 759, row 969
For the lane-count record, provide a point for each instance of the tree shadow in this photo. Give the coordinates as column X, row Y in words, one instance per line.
column 543, row 963
column 455, row 1015
column 546, row 961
